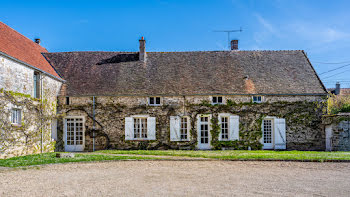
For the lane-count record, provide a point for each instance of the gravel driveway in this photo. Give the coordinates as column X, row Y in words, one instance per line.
column 179, row 178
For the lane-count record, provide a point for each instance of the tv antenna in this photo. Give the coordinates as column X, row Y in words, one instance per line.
column 228, row 34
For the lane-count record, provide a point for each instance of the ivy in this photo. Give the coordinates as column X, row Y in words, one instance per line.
column 34, row 128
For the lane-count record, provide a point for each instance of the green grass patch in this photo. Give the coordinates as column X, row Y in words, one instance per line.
column 243, row 154
column 50, row 158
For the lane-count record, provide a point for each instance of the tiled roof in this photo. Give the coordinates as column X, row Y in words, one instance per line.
column 20, row 47
column 187, row 73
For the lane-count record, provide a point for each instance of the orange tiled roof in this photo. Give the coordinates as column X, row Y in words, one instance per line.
column 20, row 47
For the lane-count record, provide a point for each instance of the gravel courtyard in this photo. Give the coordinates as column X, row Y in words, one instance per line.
column 179, row 178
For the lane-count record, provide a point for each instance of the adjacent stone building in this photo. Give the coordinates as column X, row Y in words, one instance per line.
column 28, row 92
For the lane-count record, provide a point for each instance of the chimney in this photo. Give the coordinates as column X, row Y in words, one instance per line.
column 234, row 44
column 337, row 88
column 37, row 40
column 142, row 53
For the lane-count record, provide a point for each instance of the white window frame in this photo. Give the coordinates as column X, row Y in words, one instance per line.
column 16, row 116
column 257, row 101
column 227, row 128
column 217, row 100
column 143, row 129
column 74, row 147
column 155, row 99
column 188, row 128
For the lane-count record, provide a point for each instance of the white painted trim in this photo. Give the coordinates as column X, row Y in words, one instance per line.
column 161, row 101
column 262, row 99
column 209, row 129
column 223, row 100
column 65, row 132
column 139, row 116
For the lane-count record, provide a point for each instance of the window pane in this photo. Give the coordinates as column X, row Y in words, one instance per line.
column 267, row 131
column 158, row 100
column 183, row 131
column 224, row 128
column 151, row 100
column 219, row 99
column 214, row 99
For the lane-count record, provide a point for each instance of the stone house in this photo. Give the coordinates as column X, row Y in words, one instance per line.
column 25, row 78
column 186, row 100
column 189, row 100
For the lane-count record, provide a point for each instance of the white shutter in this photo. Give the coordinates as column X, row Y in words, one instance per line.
column 151, row 128
column 234, row 128
column 280, row 133
column 129, row 128
column 174, row 128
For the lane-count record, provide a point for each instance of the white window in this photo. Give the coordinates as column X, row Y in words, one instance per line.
column 184, row 128
column 224, row 128
column 229, row 126
column 140, row 128
column 154, row 100
column 217, row 100
column 180, row 128
column 257, row 99
column 16, row 116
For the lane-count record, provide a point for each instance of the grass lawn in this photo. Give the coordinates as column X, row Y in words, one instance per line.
column 243, row 154
column 49, row 158
column 108, row 155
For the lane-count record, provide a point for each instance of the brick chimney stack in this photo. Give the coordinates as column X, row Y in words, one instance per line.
column 142, row 53
column 234, row 44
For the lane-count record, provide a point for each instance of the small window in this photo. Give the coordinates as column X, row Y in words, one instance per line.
column 154, row 100
column 224, row 128
column 67, row 100
column 184, row 128
column 217, row 100
column 16, row 116
column 257, row 99
column 140, row 128
column 36, row 85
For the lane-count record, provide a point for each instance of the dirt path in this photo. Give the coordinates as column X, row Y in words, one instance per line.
column 179, row 178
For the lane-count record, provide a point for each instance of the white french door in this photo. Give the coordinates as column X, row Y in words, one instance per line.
column 74, row 134
column 203, row 128
column 268, row 138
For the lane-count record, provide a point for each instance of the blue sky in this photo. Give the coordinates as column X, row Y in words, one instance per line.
column 320, row 27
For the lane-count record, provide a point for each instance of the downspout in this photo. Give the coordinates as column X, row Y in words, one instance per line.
column 93, row 124
column 41, row 113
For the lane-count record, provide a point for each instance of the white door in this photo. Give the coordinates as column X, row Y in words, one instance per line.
column 74, row 134
column 203, row 132
column 267, row 137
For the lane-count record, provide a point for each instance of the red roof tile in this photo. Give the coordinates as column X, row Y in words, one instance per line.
column 20, row 47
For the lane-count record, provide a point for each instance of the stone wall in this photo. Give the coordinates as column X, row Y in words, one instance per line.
column 15, row 76
column 302, row 113
column 337, row 132
column 16, row 91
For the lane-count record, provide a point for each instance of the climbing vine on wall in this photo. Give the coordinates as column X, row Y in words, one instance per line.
column 34, row 127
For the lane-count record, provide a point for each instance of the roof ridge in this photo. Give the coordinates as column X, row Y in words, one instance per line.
column 23, row 35
column 178, row 51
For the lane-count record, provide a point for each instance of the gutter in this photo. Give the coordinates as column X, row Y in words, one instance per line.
column 32, row 67
column 146, row 95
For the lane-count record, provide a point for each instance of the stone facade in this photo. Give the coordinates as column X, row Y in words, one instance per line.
column 17, row 91
column 337, row 130
column 303, row 115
